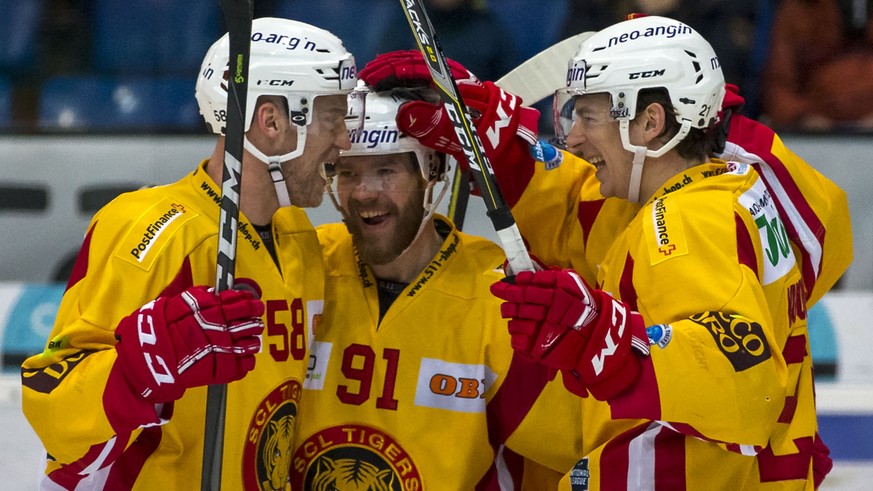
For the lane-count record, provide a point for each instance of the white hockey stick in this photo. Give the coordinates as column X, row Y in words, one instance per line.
column 539, row 76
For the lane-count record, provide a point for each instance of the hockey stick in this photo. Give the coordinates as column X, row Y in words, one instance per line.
column 459, row 197
column 539, row 76
column 238, row 18
column 497, row 210
column 533, row 80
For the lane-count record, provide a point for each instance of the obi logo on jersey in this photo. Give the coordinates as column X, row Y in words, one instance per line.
column 453, row 386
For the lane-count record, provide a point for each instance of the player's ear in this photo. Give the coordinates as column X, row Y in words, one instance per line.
column 654, row 121
column 268, row 115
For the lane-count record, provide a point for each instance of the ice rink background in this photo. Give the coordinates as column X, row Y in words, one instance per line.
column 81, row 162
column 21, row 453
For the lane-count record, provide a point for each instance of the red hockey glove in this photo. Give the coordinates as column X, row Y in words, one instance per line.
column 192, row 339
column 505, row 127
column 559, row 321
column 405, row 68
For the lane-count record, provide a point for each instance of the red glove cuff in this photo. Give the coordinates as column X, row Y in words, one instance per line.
column 611, row 362
column 126, row 409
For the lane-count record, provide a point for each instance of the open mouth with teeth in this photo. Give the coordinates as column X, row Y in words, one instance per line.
column 372, row 217
column 597, row 161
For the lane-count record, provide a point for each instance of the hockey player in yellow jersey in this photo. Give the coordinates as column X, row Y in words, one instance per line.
column 412, row 383
column 567, row 221
column 562, row 196
column 692, row 353
column 118, row 395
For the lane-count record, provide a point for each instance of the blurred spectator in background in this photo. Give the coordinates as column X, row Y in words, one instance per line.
column 468, row 32
column 729, row 26
column 65, row 38
column 819, row 75
column 592, row 15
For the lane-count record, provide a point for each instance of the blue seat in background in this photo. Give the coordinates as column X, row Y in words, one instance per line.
column 154, row 37
column 5, row 103
column 358, row 23
column 19, row 33
column 102, row 103
column 534, row 24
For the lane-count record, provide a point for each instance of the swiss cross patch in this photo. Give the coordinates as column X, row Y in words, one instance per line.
column 741, row 340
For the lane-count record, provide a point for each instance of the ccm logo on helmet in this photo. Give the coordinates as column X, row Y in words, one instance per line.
column 647, row 74
column 276, row 83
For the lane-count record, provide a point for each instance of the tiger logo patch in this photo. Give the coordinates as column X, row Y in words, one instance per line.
column 270, row 440
column 353, row 458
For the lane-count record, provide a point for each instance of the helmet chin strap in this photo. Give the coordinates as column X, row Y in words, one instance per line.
column 640, row 153
column 636, row 177
column 274, row 164
column 429, row 209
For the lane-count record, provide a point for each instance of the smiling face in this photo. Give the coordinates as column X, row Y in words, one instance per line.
column 596, row 138
column 381, row 197
column 326, row 135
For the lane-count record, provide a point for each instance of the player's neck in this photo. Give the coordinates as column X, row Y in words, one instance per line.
column 258, row 201
column 412, row 262
column 658, row 171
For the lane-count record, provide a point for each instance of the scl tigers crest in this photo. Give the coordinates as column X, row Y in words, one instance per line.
column 353, row 458
column 268, row 446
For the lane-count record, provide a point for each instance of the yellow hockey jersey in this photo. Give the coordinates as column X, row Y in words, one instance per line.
column 425, row 397
column 566, row 221
column 142, row 245
column 725, row 400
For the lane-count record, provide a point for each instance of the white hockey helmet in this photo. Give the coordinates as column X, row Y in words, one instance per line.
column 645, row 53
column 289, row 59
column 379, row 135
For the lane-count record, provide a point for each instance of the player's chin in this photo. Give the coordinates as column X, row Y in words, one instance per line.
column 312, row 200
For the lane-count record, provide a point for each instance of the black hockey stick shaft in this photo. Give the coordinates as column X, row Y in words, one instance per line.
column 533, row 80
column 459, row 198
column 238, row 18
column 497, row 209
